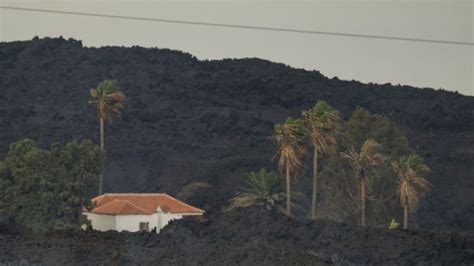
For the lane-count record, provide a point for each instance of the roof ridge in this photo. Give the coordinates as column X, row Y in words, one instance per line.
column 136, row 206
column 135, row 194
column 98, row 197
column 110, row 202
column 127, row 194
column 122, row 207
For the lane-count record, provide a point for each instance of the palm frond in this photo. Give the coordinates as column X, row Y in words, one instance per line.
column 261, row 188
column 116, row 106
column 107, row 87
column 353, row 158
column 93, row 92
column 368, row 156
column 116, row 96
column 370, row 153
column 290, row 138
column 109, row 99
column 322, row 123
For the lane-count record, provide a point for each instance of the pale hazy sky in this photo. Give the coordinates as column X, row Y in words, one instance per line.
column 368, row 60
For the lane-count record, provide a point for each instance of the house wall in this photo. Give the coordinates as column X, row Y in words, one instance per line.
column 131, row 222
column 101, row 222
column 165, row 218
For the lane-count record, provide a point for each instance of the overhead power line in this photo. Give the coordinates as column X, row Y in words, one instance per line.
column 236, row 26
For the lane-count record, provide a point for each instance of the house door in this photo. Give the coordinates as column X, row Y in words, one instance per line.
column 144, row 226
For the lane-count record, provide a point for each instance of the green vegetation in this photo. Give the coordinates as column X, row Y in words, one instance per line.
column 342, row 195
column 361, row 147
column 190, row 190
column 363, row 125
column 290, row 138
column 110, row 101
column 261, row 188
column 45, row 189
column 393, row 224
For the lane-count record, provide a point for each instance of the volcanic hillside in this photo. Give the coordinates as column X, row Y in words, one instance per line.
column 190, row 120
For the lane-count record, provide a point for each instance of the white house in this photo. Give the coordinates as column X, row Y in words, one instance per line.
column 136, row 211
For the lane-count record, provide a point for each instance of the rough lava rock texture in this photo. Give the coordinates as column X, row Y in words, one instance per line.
column 245, row 237
column 190, row 120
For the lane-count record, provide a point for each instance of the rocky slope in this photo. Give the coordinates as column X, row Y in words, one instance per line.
column 189, row 120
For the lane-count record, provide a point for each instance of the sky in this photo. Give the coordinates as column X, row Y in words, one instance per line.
column 445, row 66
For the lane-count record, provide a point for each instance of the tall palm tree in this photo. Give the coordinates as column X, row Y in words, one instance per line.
column 110, row 101
column 290, row 140
column 361, row 162
column 412, row 184
column 322, row 122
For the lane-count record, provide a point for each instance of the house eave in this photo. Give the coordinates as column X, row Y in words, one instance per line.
column 115, row 214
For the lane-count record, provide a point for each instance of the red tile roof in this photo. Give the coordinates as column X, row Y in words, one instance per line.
column 140, row 203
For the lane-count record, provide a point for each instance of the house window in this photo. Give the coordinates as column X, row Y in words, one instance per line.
column 144, row 226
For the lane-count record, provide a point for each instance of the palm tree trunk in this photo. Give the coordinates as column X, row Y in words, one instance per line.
column 101, row 177
column 315, row 184
column 288, row 190
column 101, row 121
column 405, row 217
column 362, row 198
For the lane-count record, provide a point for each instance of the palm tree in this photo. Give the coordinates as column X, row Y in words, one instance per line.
column 322, row 122
column 261, row 188
column 290, row 139
column 412, row 184
column 110, row 101
column 361, row 162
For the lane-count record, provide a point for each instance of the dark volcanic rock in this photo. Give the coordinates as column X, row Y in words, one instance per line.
column 190, row 120
column 246, row 237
